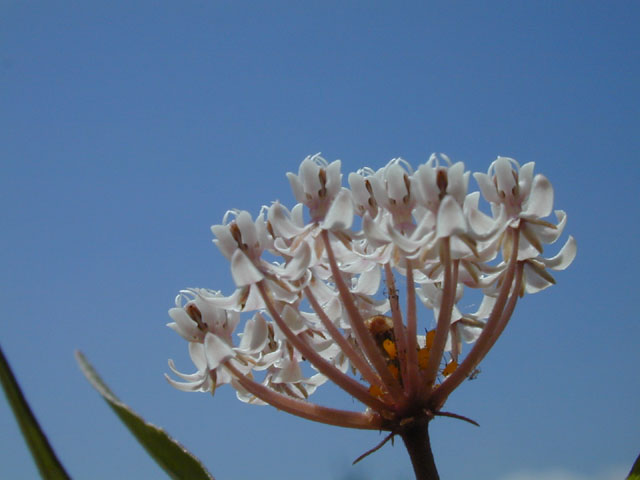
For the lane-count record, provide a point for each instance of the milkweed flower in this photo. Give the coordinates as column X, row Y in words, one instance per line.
column 317, row 300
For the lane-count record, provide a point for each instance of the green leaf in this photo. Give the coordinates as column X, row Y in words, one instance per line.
column 634, row 474
column 44, row 456
column 167, row 452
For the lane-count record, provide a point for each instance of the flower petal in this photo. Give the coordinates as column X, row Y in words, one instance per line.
column 288, row 372
column 243, row 271
column 299, row 264
column 255, row 335
column 216, row 350
column 340, row 214
column 564, row 258
column 280, row 220
column 487, row 187
column 451, row 220
column 540, row 202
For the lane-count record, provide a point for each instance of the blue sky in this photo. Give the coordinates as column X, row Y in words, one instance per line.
column 128, row 128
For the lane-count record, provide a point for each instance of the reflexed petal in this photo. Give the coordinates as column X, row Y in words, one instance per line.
column 224, row 240
column 254, row 300
column 457, row 181
column 186, row 386
column 232, row 302
column 548, row 233
column 255, row 335
column 375, row 235
column 243, row 271
column 297, row 215
column 299, row 264
column 293, row 319
column 396, row 188
column 526, row 249
column 217, row 351
column 540, row 201
column 504, row 176
column 525, row 179
column 481, row 225
column 198, row 356
column 451, row 220
column 340, row 214
column 184, row 325
column 289, row 372
column 368, row 282
column 296, row 187
column 361, row 196
column 334, row 178
column 309, row 174
column 484, row 310
column 534, row 282
column 280, row 220
column 244, row 396
column 425, row 181
column 468, row 333
column 564, row 258
column 247, row 228
column 378, row 187
column 193, row 377
column 487, row 187
column 407, row 244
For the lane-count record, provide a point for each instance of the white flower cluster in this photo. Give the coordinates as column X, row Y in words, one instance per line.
column 322, row 303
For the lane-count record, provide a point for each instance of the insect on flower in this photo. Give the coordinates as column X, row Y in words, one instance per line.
column 381, row 329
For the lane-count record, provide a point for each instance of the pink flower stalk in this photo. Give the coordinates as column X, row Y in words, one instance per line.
column 319, row 313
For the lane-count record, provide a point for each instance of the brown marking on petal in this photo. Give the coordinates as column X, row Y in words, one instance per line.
column 407, row 184
column 322, row 176
column 237, row 236
column 195, row 315
column 270, row 230
column 442, row 182
column 367, row 185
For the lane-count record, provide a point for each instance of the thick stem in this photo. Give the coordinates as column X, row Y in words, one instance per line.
column 416, row 438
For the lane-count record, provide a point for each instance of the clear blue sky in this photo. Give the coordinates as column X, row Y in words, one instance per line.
column 128, row 128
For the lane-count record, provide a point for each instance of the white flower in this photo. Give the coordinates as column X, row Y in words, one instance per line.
column 316, row 185
column 526, row 200
column 330, row 301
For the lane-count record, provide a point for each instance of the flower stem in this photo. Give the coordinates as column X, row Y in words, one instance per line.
column 416, row 438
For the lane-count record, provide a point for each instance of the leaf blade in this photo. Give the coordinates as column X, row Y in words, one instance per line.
column 45, row 458
column 172, row 457
column 634, row 474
